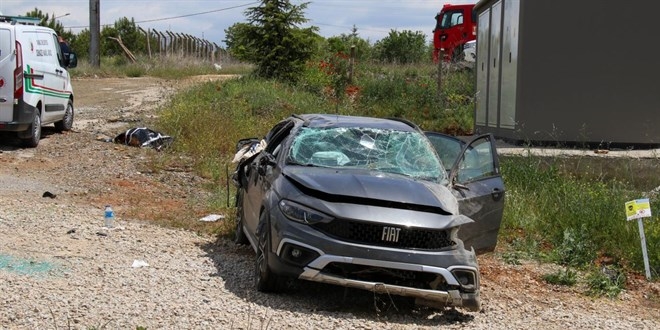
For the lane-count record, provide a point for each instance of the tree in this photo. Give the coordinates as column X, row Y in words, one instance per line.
column 51, row 22
column 343, row 43
column 273, row 41
column 401, row 47
column 80, row 43
column 238, row 44
column 130, row 36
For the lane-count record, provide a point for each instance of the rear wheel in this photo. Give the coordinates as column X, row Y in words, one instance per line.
column 67, row 121
column 265, row 279
column 31, row 137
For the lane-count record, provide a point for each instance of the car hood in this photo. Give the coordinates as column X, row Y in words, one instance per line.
column 373, row 188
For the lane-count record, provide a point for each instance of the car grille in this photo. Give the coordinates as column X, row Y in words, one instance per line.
column 412, row 279
column 372, row 234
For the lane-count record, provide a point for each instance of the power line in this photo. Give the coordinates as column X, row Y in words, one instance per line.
column 174, row 17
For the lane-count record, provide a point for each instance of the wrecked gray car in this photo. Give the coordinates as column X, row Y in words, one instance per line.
column 356, row 202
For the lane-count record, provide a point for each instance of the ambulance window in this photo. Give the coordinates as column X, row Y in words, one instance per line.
column 60, row 57
column 5, row 44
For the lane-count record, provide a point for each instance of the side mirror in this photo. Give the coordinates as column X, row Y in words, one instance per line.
column 265, row 163
column 73, row 60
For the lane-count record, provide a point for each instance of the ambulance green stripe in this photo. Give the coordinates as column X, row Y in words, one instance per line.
column 29, row 88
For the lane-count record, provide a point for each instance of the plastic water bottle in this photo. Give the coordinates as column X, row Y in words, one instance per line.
column 109, row 217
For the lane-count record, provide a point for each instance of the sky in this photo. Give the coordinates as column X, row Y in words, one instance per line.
column 208, row 19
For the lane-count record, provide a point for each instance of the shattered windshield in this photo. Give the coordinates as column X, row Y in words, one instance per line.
column 385, row 150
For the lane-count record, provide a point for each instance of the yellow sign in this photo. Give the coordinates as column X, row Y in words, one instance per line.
column 639, row 208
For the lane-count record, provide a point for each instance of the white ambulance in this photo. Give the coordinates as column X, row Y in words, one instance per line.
column 35, row 86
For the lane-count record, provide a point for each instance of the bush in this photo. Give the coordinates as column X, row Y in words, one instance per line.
column 608, row 282
column 566, row 277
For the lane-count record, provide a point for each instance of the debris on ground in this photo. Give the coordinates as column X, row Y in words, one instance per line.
column 212, row 218
column 143, row 137
column 139, row 263
column 48, row 194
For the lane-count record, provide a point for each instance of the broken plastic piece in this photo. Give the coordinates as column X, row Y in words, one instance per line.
column 212, row 217
column 139, row 263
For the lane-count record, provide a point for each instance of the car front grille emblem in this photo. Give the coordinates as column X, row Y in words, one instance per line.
column 390, row 234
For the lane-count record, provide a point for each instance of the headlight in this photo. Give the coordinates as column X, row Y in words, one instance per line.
column 302, row 214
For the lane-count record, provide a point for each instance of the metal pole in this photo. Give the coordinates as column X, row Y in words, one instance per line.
column 171, row 42
column 441, row 56
column 164, row 42
column 351, row 65
column 148, row 34
column 644, row 253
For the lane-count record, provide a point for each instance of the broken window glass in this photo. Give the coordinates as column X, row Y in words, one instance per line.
column 385, row 150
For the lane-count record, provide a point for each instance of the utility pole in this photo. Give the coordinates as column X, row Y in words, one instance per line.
column 95, row 33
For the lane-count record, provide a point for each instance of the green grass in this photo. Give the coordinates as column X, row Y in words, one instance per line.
column 567, row 277
column 572, row 219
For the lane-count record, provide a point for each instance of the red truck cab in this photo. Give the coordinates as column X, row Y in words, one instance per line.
column 455, row 25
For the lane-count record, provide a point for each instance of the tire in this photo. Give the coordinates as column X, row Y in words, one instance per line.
column 33, row 133
column 264, row 278
column 239, row 237
column 66, row 124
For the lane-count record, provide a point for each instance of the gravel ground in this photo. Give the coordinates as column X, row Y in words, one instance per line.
column 60, row 269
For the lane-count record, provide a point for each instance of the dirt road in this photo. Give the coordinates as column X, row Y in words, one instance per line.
column 60, row 269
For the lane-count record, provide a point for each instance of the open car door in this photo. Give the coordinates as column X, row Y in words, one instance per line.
column 475, row 179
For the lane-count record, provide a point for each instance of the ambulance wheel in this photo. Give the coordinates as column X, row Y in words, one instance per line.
column 67, row 121
column 33, row 133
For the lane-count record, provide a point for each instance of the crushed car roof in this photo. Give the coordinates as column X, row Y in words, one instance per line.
column 327, row 120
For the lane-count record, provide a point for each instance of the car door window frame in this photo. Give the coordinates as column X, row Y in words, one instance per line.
column 465, row 147
column 454, row 175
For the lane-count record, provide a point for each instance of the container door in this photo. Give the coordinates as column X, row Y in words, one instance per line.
column 483, row 39
column 494, row 63
column 509, row 64
column 7, row 67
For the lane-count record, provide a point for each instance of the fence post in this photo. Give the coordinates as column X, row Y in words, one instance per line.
column 148, row 34
column 164, row 43
column 439, row 94
column 351, row 65
column 216, row 51
column 171, row 48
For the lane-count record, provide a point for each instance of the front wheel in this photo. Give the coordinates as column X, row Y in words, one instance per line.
column 264, row 278
column 66, row 124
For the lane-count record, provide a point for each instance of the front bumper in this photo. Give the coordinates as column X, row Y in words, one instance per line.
column 318, row 266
